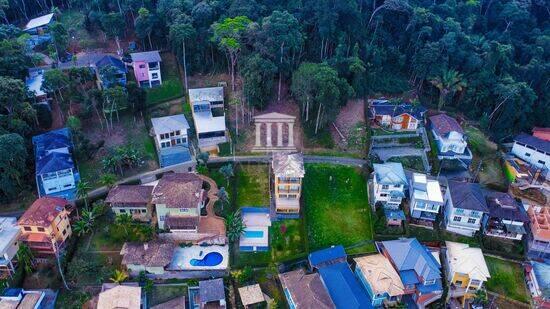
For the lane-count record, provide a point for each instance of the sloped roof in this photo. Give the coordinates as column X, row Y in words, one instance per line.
column 274, row 116
column 467, row 260
column 386, row 108
column 151, row 254
column 210, row 94
column 121, row 296
column 211, row 290
column 443, row 124
column 251, row 294
column 306, row 290
column 343, row 287
column 148, row 56
column 130, row 194
column 390, row 173
column 319, row 257
column 542, row 274
column 467, row 195
column 54, row 162
column 54, row 139
column 394, row 214
column 533, row 141
column 409, row 254
column 169, row 124
column 502, row 205
column 178, row 190
column 109, row 60
column 175, row 303
column 39, row 21
column 181, row 223
column 288, row 164
column 43, row 211
column 380, row 274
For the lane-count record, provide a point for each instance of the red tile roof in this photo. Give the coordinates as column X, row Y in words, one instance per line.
column 443, row 124
column 178, row 190
column 43, row 211
column 130, row 194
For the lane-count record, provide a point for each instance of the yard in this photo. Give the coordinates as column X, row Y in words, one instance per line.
column 252, row 181
column 491, row 172
column 506, row 279
column 172, row 86
column 336, row 207
column 163, row 293
column 410, row 162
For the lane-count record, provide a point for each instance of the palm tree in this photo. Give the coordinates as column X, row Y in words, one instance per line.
column 82, row 189
column 108, row 180
column 448, row 83
column 124, row 220
column 25, row 258
column 119, row 276
column 227, row 172
column 235, row 226
column 80, row 227
column 480, row 297
column 223, row 196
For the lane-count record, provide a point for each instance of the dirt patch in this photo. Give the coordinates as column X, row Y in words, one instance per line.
column 351, row 114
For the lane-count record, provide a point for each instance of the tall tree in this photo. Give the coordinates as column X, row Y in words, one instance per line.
column 13, row 167
column 179, row 33
column 449, row 83
column 258, row 74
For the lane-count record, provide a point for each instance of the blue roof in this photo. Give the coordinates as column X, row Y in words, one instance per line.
column 343, row 287
column 408, row 277
column 55, row 139
column 390, row 173
column 11, row 292
column 430, row 288
column 409, row 254
column 54, row 162
column 394, row 214
column 384, row 107
column 111, row 61
column 319, row 257
column 542, row 273
column 46, row 159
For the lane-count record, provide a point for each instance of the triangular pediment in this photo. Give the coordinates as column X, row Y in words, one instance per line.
column 274, row 115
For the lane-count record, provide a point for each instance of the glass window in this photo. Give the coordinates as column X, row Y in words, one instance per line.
column 383, row 195
column 178, row 132
column 123, row 211
column 161, row 218
column 172, row 133
column 457, row 219
column 471, row 220
column 64, row 232
column 385, row 187
column 27, row 228
column 142, row 66
column 155, row 75
column 527, row 154
column 40, row 229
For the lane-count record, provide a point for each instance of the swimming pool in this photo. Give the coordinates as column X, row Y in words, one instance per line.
column 254, row 234
column 210, row 259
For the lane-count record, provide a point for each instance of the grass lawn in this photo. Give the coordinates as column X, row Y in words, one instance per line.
column 411, row 162
column 162, row 294
column 492, row 171
column 72, row 299
column 171, row 87
column 252, row 181
column 336, row 206
column 506, row 279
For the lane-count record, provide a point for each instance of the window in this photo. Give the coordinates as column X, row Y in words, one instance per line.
column 64, row 232
column 459, row 211
column 471, row 220
column 457, row 219
column 27, row 228
column 144, row 211
column 527, row 154
column 184, row 210
column 458, row 282
column 162, row 136
column 542, row 162
column 155, row 75
column 161, row 218
column 428, row 282
column 178, row 132
column 142, row 66
column 40, row 229
column 385, row 187
column 383, row 194
column 122, row 211
column 475, row 282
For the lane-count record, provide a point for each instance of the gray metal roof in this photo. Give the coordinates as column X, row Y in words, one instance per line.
column 390, row 173
column 211, row 94
column 467, row 195
column 288, row 164
column 148, row 56
column 169, row 123
column 533, row 141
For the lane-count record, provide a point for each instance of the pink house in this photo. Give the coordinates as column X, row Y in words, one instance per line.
column 147, row 68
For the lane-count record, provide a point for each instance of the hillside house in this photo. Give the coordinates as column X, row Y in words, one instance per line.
column 34, row 84
column 115, row 296
column 288, row 171
column 537, row 277
column 38, row 29
column 539, row 238
column 425, row 197
column 171, row 140
column 533, row 150
column 507, row 217
column 388, row 183
column 466, row 270
column 304, row 291
column 133, row 200
column 450, row 139
column 147, row 68
column 207, row 106
column 9, row 243
column 56, row 174
column 465, row 207
column 398, row 117
column 542, row 133
column 380, row 279
column 151, row 257
column 418, row 269
column 110, row 71
column 45, row 225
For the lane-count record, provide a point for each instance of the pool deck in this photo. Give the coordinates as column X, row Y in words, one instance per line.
column 183, row 256
column 255, row 220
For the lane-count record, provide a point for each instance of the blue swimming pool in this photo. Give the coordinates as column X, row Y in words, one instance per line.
column 210, row 259
column 254, row 234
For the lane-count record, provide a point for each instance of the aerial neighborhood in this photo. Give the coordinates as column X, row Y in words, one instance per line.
column 260, row 154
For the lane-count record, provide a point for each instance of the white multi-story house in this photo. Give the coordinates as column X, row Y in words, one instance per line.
column 534, row 150
column 450, row 139
column 207, row 105
column 465, row 206
column 171, row 140
column 9, row 234
column 425, row 197
column 389, row 183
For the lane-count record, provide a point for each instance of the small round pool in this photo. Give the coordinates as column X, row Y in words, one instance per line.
column 210, row 259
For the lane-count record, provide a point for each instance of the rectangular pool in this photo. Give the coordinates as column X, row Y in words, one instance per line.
column 253, row 234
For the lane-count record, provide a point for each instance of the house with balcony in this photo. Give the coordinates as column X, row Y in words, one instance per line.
column 418, row 268
column 133, row 200
column 466, row 270
column 207, row 106
column 398, row 116
column 288, row 173
column 465, row 207
column 110, row 71
column 450, row 140
column 506, row 218
column 55, row 171
column 425, row 197
column 45, row 225
column 172, row 141
column 388, row 184
column 539, row 238
column 533, row 150
column 537, row 277
column 9, row 244
column 380, row 279
column 305, row 290
column 147, row 68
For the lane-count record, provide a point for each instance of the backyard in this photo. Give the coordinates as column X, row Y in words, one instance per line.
column 409, row 162
column 506, row 279
column 163, row 293
column 336, row 207
column 491, row 172
column 252, row 181
column 172, row 87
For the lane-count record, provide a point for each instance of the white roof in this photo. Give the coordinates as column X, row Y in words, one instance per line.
column 288, row 164
column 39, row 21
column 169, row 124
column 251, row 294
column 433, row 190
column 205, row 122
column 34, row 83
column 210, row 94
column 8, row 231
column 466, row 260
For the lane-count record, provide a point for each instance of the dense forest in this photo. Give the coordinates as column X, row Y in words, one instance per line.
column 486, row 59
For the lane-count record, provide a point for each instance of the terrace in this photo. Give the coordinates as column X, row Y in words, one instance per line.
column 200, row 258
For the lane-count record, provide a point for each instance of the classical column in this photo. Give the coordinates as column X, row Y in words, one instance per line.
column 258, row 134
column 279, row 134
column 268, row 135
column 291, row 134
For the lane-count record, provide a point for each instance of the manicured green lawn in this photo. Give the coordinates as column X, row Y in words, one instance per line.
column 506, row 279
column 336, row 206
column 252, row 181
column 162, row 294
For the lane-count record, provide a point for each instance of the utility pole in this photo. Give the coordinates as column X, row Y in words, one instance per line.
column 478, row 169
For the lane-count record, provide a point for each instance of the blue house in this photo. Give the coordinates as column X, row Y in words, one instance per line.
column 418, row 268
column 55, row 171
column 119, row 70
column 172, row 141
column 342, row 285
